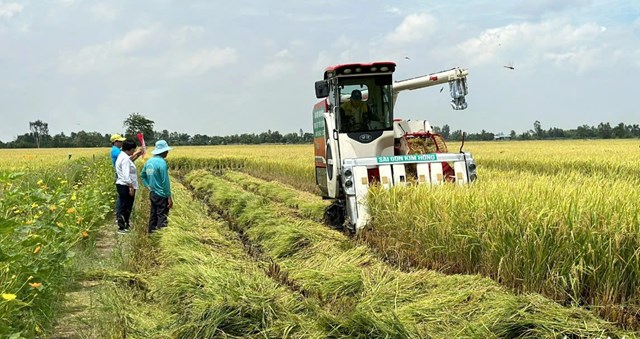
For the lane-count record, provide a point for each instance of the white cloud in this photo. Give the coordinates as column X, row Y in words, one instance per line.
column 186, row 34
column 393, row 10
column 559, row 42
column 9, row 10
column 153, row 48
column 277, row 66
column 201, row 62
column 104, row 11
column 140, row 39
column 413, row 28
column 67, row 2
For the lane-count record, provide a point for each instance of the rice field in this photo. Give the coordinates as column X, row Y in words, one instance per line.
column 545, row 244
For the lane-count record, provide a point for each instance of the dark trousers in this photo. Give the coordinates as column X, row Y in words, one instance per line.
column 159, row 212
column 123, row 214
column 117, row 198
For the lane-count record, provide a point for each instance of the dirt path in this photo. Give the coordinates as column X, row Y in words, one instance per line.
column 73, row 321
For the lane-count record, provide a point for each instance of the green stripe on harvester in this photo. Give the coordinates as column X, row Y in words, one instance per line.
column 406, row 158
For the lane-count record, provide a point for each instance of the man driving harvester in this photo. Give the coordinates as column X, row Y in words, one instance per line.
column 355, row 110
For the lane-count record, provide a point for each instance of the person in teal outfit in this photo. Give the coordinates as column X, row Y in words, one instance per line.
column 155, row 176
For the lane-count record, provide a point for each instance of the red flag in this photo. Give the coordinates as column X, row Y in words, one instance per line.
column 144, row 146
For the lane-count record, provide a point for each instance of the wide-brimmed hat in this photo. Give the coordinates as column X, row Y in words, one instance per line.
column 161, row 147
column 117, row 137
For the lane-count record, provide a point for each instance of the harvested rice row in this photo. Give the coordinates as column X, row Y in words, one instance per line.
column 366, row 298
column 567, row 245
column 307, row 205
column 208, row 286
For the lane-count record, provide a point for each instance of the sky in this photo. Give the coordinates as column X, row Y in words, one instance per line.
column 246, row 66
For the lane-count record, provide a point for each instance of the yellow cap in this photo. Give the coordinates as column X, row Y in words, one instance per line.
column 117, row 137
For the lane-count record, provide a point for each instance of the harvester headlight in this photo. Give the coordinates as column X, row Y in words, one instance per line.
column 348, row 173
column 358, row 70
column 348, row 183
column 373, row 69
column 473, row 177
column 384, row 68
column 472, row 167
column 347, row 71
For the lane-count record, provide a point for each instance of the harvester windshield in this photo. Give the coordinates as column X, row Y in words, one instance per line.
column 365, row 105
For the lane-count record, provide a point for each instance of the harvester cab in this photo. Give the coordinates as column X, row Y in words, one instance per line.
column 359, row 143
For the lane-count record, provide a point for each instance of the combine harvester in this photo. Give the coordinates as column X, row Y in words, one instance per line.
column 357, row 148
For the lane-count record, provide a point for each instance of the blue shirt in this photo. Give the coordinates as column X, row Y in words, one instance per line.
column 115, row 151
column 155, row 175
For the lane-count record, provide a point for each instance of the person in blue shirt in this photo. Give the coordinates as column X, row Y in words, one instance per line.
column 155, row 176
column 116, row 146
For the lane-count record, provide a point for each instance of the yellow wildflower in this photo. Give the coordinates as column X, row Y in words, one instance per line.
column 37, row 249
column 73, row 196
column 40, row 182
column 8, row 296
column 35, row 284
column 85, row 234
column 71, row 210
column 34, row 205
column 53, row 208
column 79, row 220
column 59, row 224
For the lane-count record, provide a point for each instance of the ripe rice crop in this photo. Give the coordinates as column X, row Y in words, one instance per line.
column 555, row 217
column 365, row 297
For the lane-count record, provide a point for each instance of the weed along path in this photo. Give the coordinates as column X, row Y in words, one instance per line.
column 355, row 294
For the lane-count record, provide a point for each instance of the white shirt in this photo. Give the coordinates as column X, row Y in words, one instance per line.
column 126, row 171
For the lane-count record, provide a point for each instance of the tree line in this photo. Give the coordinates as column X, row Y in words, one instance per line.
column 604, row 130
column 39, row 136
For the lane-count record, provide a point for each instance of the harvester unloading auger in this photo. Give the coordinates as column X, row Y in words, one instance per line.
column 356, row 148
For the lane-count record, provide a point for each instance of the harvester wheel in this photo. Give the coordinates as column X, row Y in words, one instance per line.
column 334, row 215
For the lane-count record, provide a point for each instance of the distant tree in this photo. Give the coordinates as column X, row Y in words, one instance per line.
column 605, row 131
column 525, row 136
column 446, row 131
column 555, row 132
column 135, row 123
column 164, row 135
column 291, row 138
column 308, row 138
column 200, row 139
column 621, row 131
column 39, row 129
column 513, row 135
column 585, row 132
column 456, row 135
column 537, row 130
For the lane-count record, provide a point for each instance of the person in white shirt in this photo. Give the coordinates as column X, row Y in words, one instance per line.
column 127, row 185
